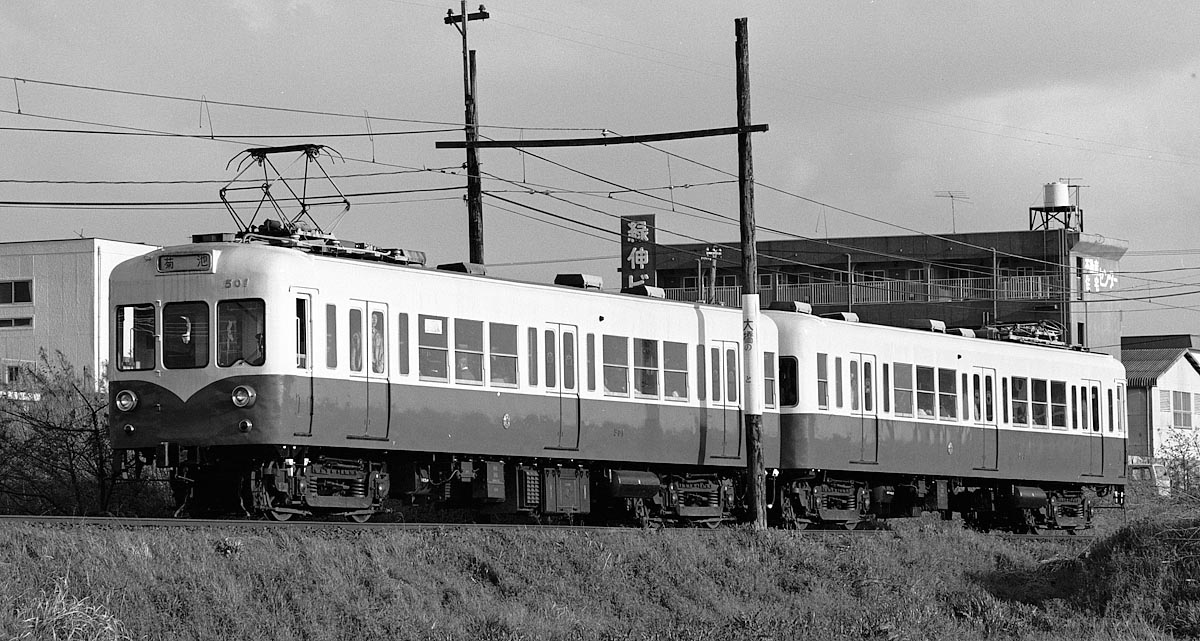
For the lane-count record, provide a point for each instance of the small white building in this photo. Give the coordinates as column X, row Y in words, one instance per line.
column 54, row 295
column 1163, row 374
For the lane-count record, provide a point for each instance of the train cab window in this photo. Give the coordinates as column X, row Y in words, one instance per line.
column 356, row 340
column 1020, row 401
column 675, row 371
column 503, row 354
column 432, row 347
column 402, row 343
column 823, row 381
column 904, row 389
column 769, row 379
column 645, row 366
column 331, row 351
column 532, row 343
column 135, row 337
column 1058, row 404
column 241, row 332
column 854, row 385
column 947, row 394
column 185, row 335
column 789, row 381
column 926, row 393
column 468, row 351
column 1041, row 403
column 616, row 365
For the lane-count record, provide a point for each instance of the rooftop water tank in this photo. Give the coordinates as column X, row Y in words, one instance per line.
column 1056, row 195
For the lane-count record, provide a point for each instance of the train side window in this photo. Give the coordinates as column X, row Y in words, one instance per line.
column 502, row 343
column 468, row 351
column 926, row 394
column 432, row 347
column 715, row 370
column 731, row 375
column 591, row 362
column 966, row 399
column 1121, row 408
column 1110, row 410
column 868, row 388
column 356, row 342
column 885, row 392
column 977, row 397
column 185, row 335
column 675, row 370
column 769, row 379
column 616, row 365
column 551, row 360
column 789, row 381
column 823, row 381
column 837, row 380
column 241, row 332
column 302, row 332
column 1004, row 397
column 645, row 366
column 533, row 356
column 1041, row 403
column 904, row 389
column 947, row 394
column 331, row 352
column 702, row 373
column 1020, row 400
column 378, row 343
column 988, row 404
column 854, row 384
column 568, row 359
column 1095, row 409
column 402, row 343
column 1058, row 404
column 1074, row 407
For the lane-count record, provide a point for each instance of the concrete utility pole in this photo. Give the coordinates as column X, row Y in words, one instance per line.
column 474, row 186
column 753, row 368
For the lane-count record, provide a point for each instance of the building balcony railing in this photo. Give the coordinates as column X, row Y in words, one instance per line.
column 883, row 291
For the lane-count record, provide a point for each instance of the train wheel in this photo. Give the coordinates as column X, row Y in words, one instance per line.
column 276, row 515
column 358, row 518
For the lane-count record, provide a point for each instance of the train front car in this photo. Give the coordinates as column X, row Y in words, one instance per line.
column 286, row 377
column 206, row 378
column 888, row 422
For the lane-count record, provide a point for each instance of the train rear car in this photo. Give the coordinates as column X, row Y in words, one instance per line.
column 884, row 421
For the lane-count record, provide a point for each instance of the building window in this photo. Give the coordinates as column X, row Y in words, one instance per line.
column 1181, row 409
column 16, row 292
column 16, row 322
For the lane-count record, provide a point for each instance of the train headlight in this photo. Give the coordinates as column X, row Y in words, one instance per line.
column 243, row 396
column 126, row 400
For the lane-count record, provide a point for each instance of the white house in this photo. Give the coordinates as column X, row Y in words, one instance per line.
column 1163, row 375
column 54, row 295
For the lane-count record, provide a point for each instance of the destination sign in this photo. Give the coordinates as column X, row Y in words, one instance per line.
column 175, row 263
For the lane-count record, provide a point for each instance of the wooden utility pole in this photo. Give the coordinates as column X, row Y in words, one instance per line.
column 756, row 472
column 474, row 185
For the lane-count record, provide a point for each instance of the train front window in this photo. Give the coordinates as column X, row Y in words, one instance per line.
column 241, row 332
column 185, row 335
column 135, row 337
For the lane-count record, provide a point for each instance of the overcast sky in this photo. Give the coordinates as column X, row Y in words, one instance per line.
column 872, row 107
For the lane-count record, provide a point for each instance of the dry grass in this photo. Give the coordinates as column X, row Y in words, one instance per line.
column 925, row 580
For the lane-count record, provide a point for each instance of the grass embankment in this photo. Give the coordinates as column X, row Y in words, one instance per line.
column 927, row 580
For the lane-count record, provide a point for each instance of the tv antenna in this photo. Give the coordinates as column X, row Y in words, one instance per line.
column 953, row 196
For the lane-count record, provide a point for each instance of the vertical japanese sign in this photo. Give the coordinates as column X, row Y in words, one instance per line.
column 637, row 250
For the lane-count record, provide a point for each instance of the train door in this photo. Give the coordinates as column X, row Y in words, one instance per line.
column 863, row 405
column 369, row 365
column 304, row 364
column 562, row 381
column 724, row 414
column 1092, row 420
column 983, row 414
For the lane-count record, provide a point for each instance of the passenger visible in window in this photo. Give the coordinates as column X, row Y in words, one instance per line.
column 377, row 347
column 355, row 350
